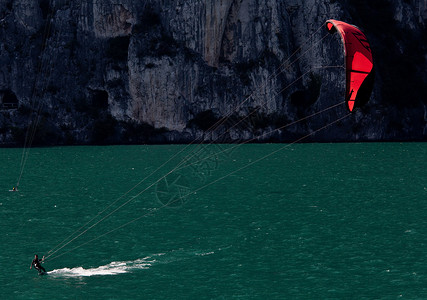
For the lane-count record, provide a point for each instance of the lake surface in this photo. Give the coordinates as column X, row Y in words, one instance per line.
column 265, row 221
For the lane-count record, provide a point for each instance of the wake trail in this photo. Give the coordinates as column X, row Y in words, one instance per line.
column 113, row 268
column 122, row 267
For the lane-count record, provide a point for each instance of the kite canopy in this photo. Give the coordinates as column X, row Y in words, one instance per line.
column 358, row 63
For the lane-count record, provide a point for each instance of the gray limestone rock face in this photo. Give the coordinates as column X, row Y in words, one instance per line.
column 127, row 71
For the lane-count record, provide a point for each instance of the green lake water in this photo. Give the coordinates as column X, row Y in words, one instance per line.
column 309, row 221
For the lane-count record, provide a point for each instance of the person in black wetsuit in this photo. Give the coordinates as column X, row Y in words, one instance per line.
column 37, row 264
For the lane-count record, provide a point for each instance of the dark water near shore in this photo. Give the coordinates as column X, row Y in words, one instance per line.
column 310, row 221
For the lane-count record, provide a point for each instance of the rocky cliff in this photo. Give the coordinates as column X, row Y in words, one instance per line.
column 127, row 71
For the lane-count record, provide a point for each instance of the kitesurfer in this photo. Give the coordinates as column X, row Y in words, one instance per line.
column 37, row 264
column 14, row 189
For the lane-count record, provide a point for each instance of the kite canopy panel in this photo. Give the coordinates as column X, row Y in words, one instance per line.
column 358, row 63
